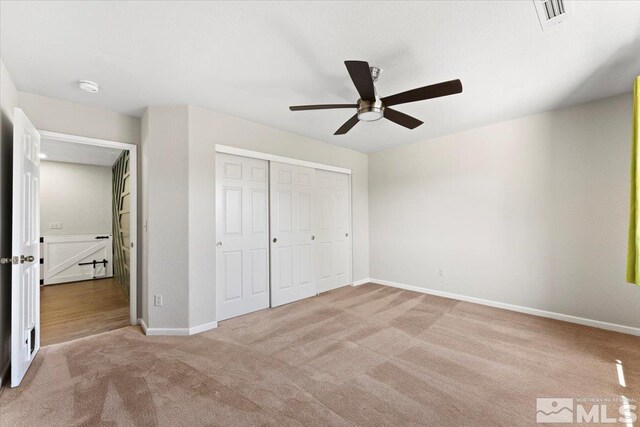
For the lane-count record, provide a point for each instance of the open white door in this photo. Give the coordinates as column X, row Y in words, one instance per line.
column 293, row 195
column 25, row 273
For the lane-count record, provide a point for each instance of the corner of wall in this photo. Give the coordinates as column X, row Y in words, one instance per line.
column 201, row 206
column 165, row 176
column 143, row 255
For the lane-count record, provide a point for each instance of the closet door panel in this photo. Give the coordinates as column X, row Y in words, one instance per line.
column 242, row 235
column 292, row 241
column 334, row 258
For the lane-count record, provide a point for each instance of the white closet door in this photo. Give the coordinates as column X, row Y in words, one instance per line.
column 292, row 224
column 242, row 235
column 333, row 238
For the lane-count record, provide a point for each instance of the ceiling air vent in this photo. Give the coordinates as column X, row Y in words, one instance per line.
column 552, row 12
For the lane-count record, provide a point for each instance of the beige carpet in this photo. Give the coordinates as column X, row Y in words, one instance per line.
column 368, row 355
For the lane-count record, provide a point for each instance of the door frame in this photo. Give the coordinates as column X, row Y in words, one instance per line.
column 133, row 223
column 226, row 149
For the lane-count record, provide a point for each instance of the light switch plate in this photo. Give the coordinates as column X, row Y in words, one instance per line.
column 55, row 225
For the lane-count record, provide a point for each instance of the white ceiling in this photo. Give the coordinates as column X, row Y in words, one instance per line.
column 253, row 59
column 69, row 152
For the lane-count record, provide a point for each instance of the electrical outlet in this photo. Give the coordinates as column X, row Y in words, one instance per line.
column 55, row 225
column 441, row 272
column 157, row 300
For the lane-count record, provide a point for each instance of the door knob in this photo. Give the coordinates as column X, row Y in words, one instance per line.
column 219, row 244
column 6, row 260
column 275, row 240
column 346, row 234
column 313, row 237
column 24, row 259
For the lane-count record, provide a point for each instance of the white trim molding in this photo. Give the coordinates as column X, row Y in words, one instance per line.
column 512, row 307
column 273, row 158
column 45, row 134
column 203, row 328
column 178, row 331
column 361, row 282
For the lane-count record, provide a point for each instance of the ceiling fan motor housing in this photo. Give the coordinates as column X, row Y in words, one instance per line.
column 370, row 111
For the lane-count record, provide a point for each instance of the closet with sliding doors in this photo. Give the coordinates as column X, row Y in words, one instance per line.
column 283, row 231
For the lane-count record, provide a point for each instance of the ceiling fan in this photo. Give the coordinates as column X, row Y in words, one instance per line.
column 371, row 107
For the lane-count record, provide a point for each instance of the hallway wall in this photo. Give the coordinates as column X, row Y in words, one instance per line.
column 78, row 196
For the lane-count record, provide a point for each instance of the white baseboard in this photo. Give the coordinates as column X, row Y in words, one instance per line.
column 202, row 328
column 520, row 309
column 4, row 372
column 361, row 282
column 178, row 331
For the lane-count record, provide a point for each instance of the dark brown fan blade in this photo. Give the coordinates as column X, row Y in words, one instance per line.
column 422, row 93
column 401, row 118
column 346, row 127
column 361, row 76
column 321, row 107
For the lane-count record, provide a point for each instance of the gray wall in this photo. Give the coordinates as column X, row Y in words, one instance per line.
column 166, row 251
column 532, row 212
column 79, row 196
column 67, row 117
column 8, row 100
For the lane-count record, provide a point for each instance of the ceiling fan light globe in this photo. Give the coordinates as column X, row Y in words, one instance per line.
column 369, row 116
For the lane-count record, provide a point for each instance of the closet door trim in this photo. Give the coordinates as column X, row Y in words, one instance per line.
column 273, row 158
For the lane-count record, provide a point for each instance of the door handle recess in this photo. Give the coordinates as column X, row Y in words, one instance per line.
column 313, row 237
column 219, row 244
column 275, row 240
column 346, row 234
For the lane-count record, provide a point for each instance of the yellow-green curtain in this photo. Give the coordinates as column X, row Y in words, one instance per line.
column 633, row 261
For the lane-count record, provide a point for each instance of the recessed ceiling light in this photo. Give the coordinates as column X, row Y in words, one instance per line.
column 42, row 156
column 89, row 86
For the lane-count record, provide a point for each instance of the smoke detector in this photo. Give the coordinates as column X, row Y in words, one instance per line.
column 552, row 12
column 89, row 86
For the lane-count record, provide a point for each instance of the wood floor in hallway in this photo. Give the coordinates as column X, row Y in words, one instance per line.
column 79, row 309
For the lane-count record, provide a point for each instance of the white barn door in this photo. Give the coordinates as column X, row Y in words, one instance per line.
column 292, row 239
column 71, row 258
column 25, row 246
column 333, row 238
column 242, row 235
